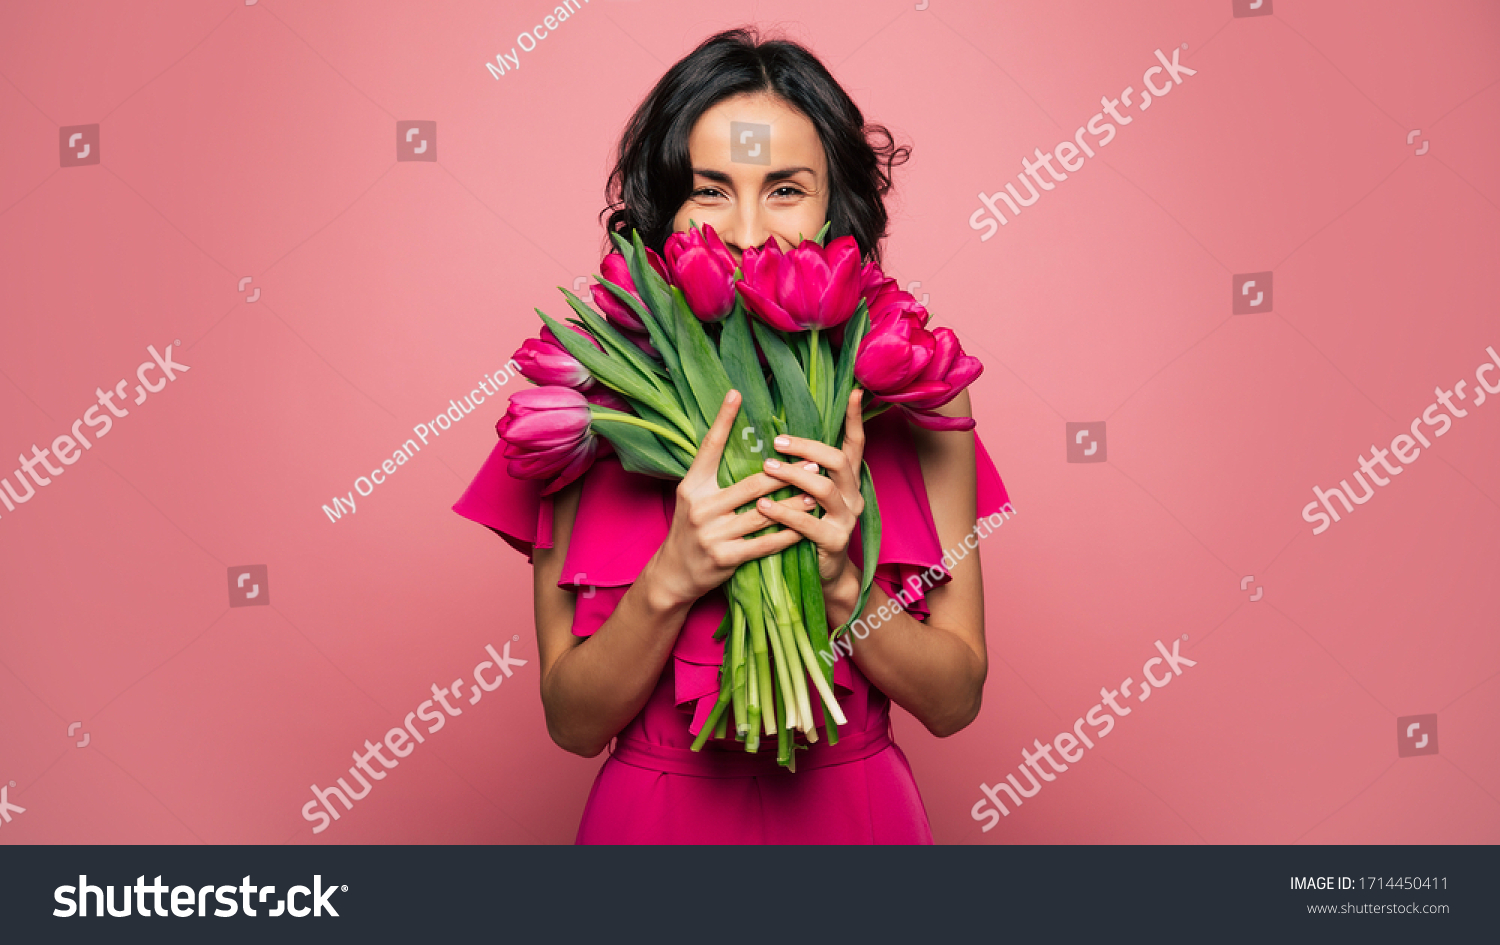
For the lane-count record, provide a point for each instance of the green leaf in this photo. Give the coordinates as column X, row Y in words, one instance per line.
column 814, row 613
column 823, row 351
column 614, row 373
column 700, row 361
column 823, row 233
column 869, row 534
column 709, row 383
column 843, row 374
column 653, row 289
column 640, row 450
column 743, row 367
column 662, row 324
column 801, row 412
column 613, row 341
column 651, row 416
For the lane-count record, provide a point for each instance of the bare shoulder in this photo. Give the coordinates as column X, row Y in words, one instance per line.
column 947, row 459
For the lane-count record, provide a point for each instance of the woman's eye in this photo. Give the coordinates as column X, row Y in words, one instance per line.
column 786, row 192
column 705, row 192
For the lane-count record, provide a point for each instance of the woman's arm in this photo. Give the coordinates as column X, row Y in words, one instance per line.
column 592, row 687
column 936, row 669
column 590, row 692
column 933, row 669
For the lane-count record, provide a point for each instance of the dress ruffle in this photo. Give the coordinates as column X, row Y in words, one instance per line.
column 623, row 518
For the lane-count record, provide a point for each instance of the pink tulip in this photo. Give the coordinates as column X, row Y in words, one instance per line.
column 544, row 361
column 546, row 433
column 904, row 364
column 613, row 268
column 811, row 286
column 887, row 298
column 703, row 268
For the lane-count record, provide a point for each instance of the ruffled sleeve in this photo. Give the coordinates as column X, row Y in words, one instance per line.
column 514, row 509
column 911, row 555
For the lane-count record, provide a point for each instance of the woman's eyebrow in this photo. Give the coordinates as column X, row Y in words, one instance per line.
column 719, row 177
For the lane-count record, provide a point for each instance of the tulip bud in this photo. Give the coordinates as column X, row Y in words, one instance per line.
column 544, row 361
column 614, row 268
column 547, row 436
column 703, row 268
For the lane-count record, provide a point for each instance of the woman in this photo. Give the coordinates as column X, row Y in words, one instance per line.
column 757, row 140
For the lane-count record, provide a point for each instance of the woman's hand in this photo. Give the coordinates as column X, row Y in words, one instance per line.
column 706, row 541
column 837, row 493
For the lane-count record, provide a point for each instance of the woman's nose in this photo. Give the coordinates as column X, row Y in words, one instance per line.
column 747, row 229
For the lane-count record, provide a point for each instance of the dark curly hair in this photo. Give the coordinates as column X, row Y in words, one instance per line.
column 653, row 173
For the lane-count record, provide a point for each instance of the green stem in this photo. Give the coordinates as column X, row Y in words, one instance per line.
column 752, row 733
column 675, row 414
column 813, row 359
column 713, row 717
column 786, row 621
column 779, row 650
column 763, row 676
column 739, row 672
column 829, row 701
column 784, row 735
column 662, row 432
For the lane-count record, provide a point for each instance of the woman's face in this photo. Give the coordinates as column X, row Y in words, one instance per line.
column 746, row 200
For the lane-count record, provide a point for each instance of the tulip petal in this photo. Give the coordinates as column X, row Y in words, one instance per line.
column 934, row 421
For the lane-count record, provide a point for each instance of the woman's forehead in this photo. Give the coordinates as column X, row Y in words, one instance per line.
column 751, row 130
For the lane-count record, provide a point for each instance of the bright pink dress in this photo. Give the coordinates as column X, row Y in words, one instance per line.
column 653, row 788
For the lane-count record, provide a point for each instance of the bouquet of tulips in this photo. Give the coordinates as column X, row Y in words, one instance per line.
column 793, row 332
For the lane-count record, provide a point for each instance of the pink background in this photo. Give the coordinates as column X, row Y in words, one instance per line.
column 259, row 141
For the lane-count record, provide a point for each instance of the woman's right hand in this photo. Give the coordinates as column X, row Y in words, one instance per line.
column 706, row 541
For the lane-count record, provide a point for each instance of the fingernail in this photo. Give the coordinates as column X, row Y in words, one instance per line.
column 763, row 502
column 810, row 467
column 807, row 500
column 781, row 441
column 772, row 464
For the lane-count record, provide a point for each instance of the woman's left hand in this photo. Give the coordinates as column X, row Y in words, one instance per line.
column 837, row 493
